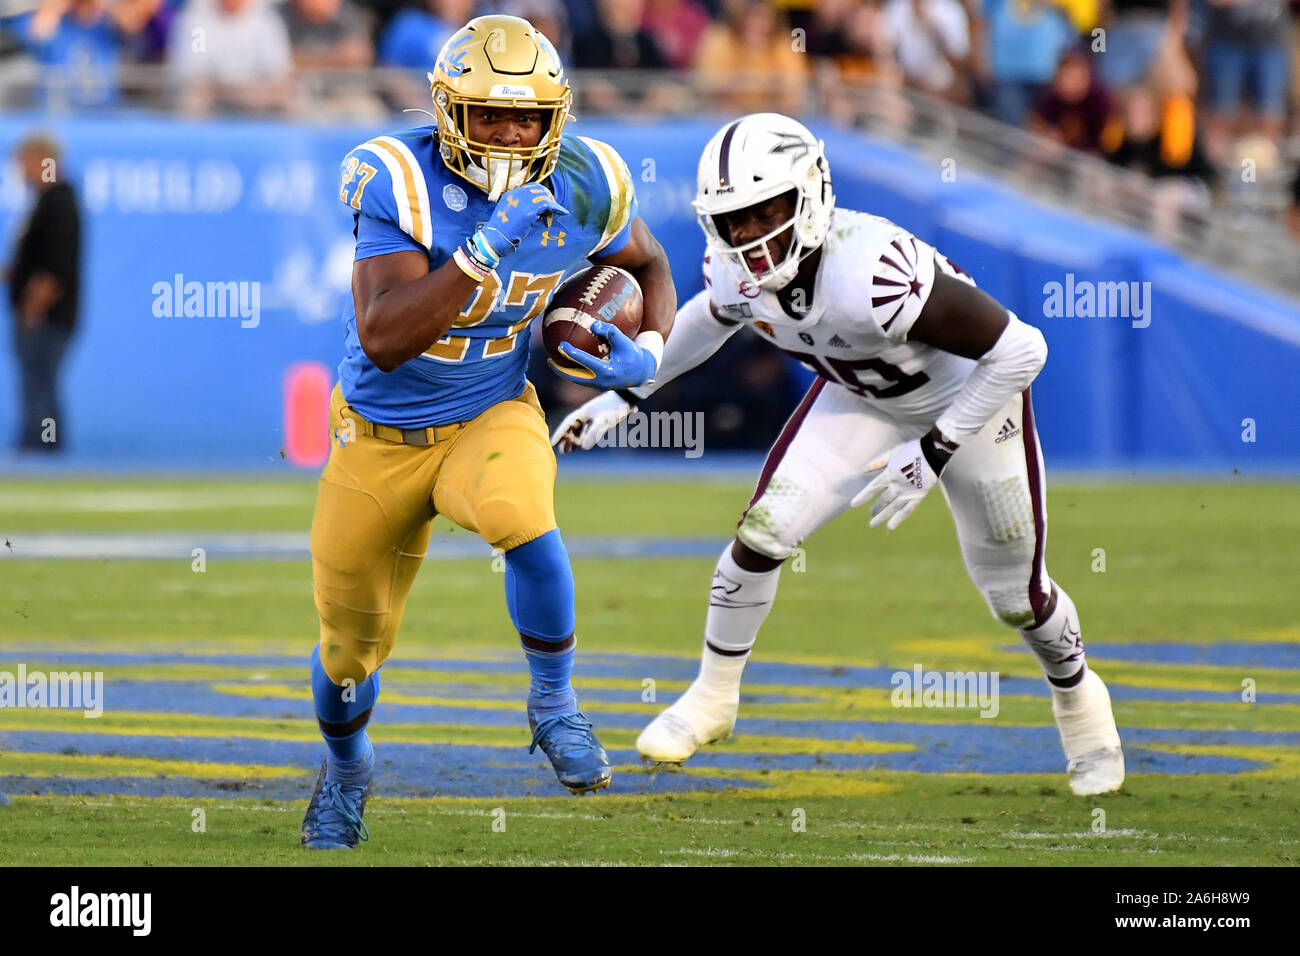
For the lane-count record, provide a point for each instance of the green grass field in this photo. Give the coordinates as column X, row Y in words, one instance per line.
column 207, row 708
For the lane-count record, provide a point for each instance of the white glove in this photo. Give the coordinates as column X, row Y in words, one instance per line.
column 585, row 425
column 904, row 479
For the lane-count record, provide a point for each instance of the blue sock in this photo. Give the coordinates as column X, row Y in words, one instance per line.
column 352, row 744
column 539, row 595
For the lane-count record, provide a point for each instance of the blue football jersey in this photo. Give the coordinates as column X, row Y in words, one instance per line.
column 402, row 197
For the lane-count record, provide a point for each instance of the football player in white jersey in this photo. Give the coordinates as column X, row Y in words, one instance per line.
column 922, row 381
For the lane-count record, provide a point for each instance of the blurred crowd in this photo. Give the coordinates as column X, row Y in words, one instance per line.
column 1174, row 88
column 1105, row 76
column 1200, row 95
column 1177, row 89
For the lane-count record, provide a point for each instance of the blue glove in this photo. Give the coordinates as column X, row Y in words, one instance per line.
column 514, row 217
column 628, row 364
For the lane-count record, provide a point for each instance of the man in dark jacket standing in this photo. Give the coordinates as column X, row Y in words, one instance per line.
column 43, row 290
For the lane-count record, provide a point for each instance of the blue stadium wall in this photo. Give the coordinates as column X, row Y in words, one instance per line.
column 1213, row 362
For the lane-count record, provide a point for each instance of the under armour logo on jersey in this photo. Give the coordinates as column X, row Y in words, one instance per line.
column 913, row 473
column 838, row 343
column 806, row 339
column 547, row 238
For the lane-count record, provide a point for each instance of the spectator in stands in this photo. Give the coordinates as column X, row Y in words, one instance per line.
column 231, row 55
column 327, row 33
column 79, row 44
column 1295, row 68
column 677, row 26
column 1134, row 32
column 413, row 38
column 618, row 40
column 749, row 62
column 854, row 38
column 1026, row 40
column 1293, row 210
column 152, row 46
column 1083, row 14
column 44, row 279
column 1159, row 138
column 333, row 35
column 1077, row 110
column 824, row 25
column 1246, row 42
column 549, row 16
column 932, row 43
column 979, row 70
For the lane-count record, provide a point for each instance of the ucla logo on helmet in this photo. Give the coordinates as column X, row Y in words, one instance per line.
column 452, row 59
column 547, row 46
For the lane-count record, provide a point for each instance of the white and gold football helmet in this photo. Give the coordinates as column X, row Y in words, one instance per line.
column 506, row 62
column 751, row 160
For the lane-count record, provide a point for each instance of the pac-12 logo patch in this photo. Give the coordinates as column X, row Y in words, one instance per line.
column 454, row 197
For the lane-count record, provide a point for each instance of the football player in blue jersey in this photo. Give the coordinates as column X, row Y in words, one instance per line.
column 463, row 230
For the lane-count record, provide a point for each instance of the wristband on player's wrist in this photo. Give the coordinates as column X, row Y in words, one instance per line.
column 937, row 450
column 652, row 342
column 481, row 253
column 469, row 266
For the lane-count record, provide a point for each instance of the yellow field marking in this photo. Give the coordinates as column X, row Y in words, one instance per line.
column 1284, row 762
column 94, row 766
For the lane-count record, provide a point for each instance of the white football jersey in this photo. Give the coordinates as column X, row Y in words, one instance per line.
column 872, row 282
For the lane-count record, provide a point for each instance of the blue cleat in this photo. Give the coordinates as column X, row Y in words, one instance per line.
column 333, row 820
column 577, row 756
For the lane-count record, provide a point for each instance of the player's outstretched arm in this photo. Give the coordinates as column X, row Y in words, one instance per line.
column 698, row 332
column 957, row 318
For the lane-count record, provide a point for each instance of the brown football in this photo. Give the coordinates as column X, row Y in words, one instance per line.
column 607, row 293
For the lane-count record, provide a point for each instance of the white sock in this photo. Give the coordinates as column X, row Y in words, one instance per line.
column 739, row 602
column 1057, row 642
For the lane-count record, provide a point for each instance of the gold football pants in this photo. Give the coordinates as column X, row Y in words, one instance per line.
column 494, row 475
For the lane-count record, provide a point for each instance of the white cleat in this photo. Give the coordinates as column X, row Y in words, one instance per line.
column 1095, row 759
column 699, row 717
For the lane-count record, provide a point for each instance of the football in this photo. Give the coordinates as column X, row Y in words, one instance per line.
column 598, row 292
